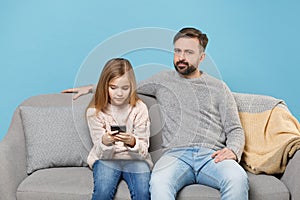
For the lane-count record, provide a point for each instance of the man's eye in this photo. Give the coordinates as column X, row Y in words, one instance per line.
column 189, row 52
column 177, row 51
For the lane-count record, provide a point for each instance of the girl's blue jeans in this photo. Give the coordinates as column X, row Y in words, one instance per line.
column 108, row 173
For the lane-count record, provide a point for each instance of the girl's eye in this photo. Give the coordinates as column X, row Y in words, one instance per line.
column 113, row 87
column 125, row 88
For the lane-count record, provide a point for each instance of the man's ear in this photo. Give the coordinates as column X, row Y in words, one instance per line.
column 202, row 56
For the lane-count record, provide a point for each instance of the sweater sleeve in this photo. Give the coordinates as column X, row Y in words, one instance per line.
column 235, row 138
column 97, row 129
column 149, row 86
column 141, row 130
column 94, row 87
column 146, row 87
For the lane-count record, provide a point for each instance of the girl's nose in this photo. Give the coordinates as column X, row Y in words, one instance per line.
column 119, row 92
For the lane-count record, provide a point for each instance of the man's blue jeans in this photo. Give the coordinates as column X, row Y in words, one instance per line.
column 108, row 173
column 184, row 166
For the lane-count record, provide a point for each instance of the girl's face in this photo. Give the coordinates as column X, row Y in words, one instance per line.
column 119, row 90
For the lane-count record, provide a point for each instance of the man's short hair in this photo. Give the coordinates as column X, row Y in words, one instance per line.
column 192, row 33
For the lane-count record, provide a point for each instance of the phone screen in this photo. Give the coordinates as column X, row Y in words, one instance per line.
column 118, row 128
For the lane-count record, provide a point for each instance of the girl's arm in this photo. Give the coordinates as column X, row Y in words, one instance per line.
column 141, row 130
column 102, row 143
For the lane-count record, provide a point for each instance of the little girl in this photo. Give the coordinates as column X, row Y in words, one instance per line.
column 119, row 154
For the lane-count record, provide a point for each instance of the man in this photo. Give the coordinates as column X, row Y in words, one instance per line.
column 203, row 139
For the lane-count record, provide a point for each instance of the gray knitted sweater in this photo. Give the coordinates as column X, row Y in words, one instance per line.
column 196, row 112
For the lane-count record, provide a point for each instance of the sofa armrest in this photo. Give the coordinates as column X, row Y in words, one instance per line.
column 291, row 178
column 12, row 159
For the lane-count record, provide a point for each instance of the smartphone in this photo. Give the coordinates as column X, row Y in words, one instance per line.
column 118, row 128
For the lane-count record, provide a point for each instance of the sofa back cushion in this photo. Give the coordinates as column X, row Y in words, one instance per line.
column 51, row 137
column 156, row 125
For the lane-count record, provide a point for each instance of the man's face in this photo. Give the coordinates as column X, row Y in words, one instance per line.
column 187, row 56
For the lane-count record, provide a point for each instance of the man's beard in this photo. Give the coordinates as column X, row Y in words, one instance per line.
column 189, row 68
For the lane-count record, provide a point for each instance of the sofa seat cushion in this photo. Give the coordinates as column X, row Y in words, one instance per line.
column 267, row 187
column 57, row 183
column 198, row 192
column 262, row 187
column 69, row 183
column 77, row 183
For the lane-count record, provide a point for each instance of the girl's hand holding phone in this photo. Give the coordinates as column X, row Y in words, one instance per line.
column 109, row 138
column 127, row 138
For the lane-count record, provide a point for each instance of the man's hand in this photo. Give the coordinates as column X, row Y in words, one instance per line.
column 223, row 154
column 80, row 91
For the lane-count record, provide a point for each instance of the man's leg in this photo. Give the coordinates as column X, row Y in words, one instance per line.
column 169, row 175
column 137, row 176
column 227, row 176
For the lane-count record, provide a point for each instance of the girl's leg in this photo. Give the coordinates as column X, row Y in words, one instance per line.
column 137, row 176
column 107, row 175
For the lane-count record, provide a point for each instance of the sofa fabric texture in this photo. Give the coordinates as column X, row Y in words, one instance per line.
column 51, row 138
column 57, row 177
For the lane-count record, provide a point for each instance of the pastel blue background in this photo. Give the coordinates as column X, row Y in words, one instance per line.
column 255, row 45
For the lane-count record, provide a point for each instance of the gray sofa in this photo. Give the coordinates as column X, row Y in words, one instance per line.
column 53, row 166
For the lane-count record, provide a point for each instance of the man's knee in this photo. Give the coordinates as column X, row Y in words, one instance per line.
column 162, row 188
column 158, row 180
column 237, row 180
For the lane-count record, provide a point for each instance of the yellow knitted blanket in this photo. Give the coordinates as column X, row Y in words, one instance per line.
column 272, row 135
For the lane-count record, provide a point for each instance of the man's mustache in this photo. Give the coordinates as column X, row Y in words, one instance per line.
column 182, row 62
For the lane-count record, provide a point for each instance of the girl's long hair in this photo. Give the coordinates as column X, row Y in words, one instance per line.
column 114, row 68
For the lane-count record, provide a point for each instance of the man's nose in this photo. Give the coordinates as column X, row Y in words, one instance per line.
column 182, row 56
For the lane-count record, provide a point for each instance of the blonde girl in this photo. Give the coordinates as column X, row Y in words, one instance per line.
column 122, row 153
